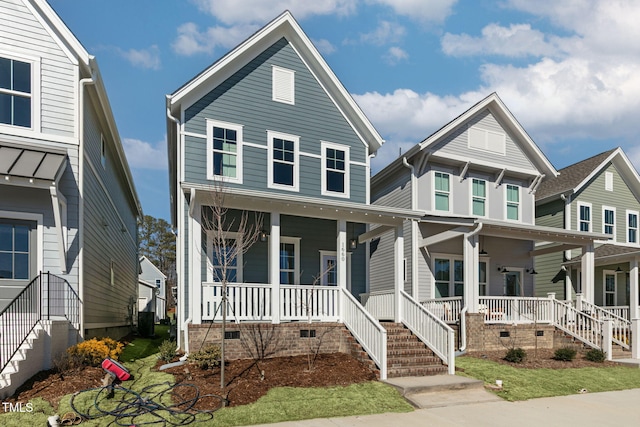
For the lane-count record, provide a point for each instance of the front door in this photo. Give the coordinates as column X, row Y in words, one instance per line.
column 328, row 272
column 610, row 288
column 513, row 283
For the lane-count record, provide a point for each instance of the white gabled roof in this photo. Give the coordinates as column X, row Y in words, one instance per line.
column 283, row 26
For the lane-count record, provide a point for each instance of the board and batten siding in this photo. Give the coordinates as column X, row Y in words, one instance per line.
column 621, row 198
column 22, row 33
column 246, row 99
column 458, row 144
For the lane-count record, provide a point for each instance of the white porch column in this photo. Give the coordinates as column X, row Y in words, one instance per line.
column 341, row 260
column 471, row 259
column 274, row 266
column 195, row 271
column 588, row 265
column 607, row 335
column 398, row 266
column 568, row 285
column 635, row 338
column 633, row 290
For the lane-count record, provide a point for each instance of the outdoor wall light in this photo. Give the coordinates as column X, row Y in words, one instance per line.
column 263, row 236
column 618, row 270
column 532, row 270
column 503, row 269
column 353, row 244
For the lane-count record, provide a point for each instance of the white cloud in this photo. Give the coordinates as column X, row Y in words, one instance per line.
column 142, row 58
column 144, row 155
column 421, row 10
column 233, row 12
column 387, row 32
column 395, row 55
column 324, row 46
column 192, row 41
column 514, row 41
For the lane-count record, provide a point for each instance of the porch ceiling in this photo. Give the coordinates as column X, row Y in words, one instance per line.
column 539, row 233
column 294, row 204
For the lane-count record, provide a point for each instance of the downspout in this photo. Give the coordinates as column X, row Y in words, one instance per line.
column 463, row 321
column 83, row 82
column 414, row 229
column 179, row 237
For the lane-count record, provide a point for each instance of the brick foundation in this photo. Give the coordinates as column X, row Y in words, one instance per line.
column 252, row 339
column 495, row 337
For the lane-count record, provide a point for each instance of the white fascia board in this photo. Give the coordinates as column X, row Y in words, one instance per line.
column 624, row 167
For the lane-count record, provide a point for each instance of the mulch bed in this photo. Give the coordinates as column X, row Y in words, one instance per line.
column 541, row 358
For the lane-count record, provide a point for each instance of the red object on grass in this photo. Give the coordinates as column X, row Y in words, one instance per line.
column 114, row 368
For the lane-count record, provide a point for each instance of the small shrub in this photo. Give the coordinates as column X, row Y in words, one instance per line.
column 565, row 354
column 207, row 357
column 595, row 355
column 515, row 355
column 167, row 350
column 92, row 352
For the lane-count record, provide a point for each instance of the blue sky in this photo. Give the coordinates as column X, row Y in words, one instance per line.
column 568, row 70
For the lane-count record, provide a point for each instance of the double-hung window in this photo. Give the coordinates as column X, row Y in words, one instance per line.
column 335, row 170
column 224, row 151
column 225, row 258
column 16, row 93
column 284, row 162
column 479, row 197
column 513, row 202
column 289, row 261
column 15, row 249
column 632, row 227
column 442, row 183
column 584, row 217
column 609, row 221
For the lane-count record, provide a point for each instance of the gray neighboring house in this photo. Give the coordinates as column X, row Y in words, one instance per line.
column 68, row 205
column 152, row 285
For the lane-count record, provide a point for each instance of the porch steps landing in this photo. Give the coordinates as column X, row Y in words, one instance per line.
column 407, row 356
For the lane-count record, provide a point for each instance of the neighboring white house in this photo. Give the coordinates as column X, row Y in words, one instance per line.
column 68, row 205
column 152, row 289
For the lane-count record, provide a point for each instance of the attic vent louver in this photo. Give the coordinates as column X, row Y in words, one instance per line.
column 283, row 85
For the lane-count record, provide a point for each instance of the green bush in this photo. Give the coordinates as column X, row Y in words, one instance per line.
column 515, row 355
column 595, row 355
column 565, row 354
column 167, row 350
column 207, row 357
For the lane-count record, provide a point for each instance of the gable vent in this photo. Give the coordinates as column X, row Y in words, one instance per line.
column 283, row 85
column 486, row 140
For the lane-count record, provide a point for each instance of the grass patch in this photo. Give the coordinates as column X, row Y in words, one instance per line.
column 140, row 348
column 524, row 384
column 291, row 404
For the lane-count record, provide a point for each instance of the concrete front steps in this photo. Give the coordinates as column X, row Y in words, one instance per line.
column 407, row 356
column 17, row 370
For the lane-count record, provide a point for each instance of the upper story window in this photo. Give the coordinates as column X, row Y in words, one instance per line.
column 608, row 181
column 513, row 202
column 103, row 152
column 609, row 221
column 632, row 227
column 335, row 170
column 158, row 283
column 584, row 217
column 478, row 196
column 283, row 85
column 284, row 162
column 16, row 93
column 442, row 184
column 224, row 151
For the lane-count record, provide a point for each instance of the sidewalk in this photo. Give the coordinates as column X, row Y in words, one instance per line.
column 590, row 409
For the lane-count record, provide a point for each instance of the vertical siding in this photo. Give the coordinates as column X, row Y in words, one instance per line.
column 23, row 33
column 457, row 143
column 245, row 99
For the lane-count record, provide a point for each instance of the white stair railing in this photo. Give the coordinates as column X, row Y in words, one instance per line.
column 371, row 335
column 435, row 333
column 578, row 324
column 621, row 327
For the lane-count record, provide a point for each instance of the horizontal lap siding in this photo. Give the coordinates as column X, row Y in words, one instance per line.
column 21, row 32
column 245, row 99
column 550, row 277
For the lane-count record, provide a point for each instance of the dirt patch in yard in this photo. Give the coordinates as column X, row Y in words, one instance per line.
column 246, row 380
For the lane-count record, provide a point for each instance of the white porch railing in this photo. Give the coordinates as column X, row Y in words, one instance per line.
column 367, row 330
column 308, row 302
column 447, row 309
column 435, row 333
column 515, row 309
column 379, row 304
column 621, row 327
column 577, row 323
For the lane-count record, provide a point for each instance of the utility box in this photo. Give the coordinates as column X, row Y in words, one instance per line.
column 146, row 323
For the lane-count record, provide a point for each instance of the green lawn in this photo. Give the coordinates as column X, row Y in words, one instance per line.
column 523, row 384
column 140, row 348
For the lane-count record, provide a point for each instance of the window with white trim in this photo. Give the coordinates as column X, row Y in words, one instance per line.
column 283, row 85
column 284, row 162
column 15, row 250
column 224, row 259
column 513, row 202
column 608, row 181
column 16, row 92
column 449, row 276
column 478, row 197
column 482, row 278
column 610, row 285
column 103, row 152
column 632, row 226
column 609, row 221
column 335, row 170
column 584, row 216
column 289, row 261
column 112, row 273
column 442, row 190
column 224, row 151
